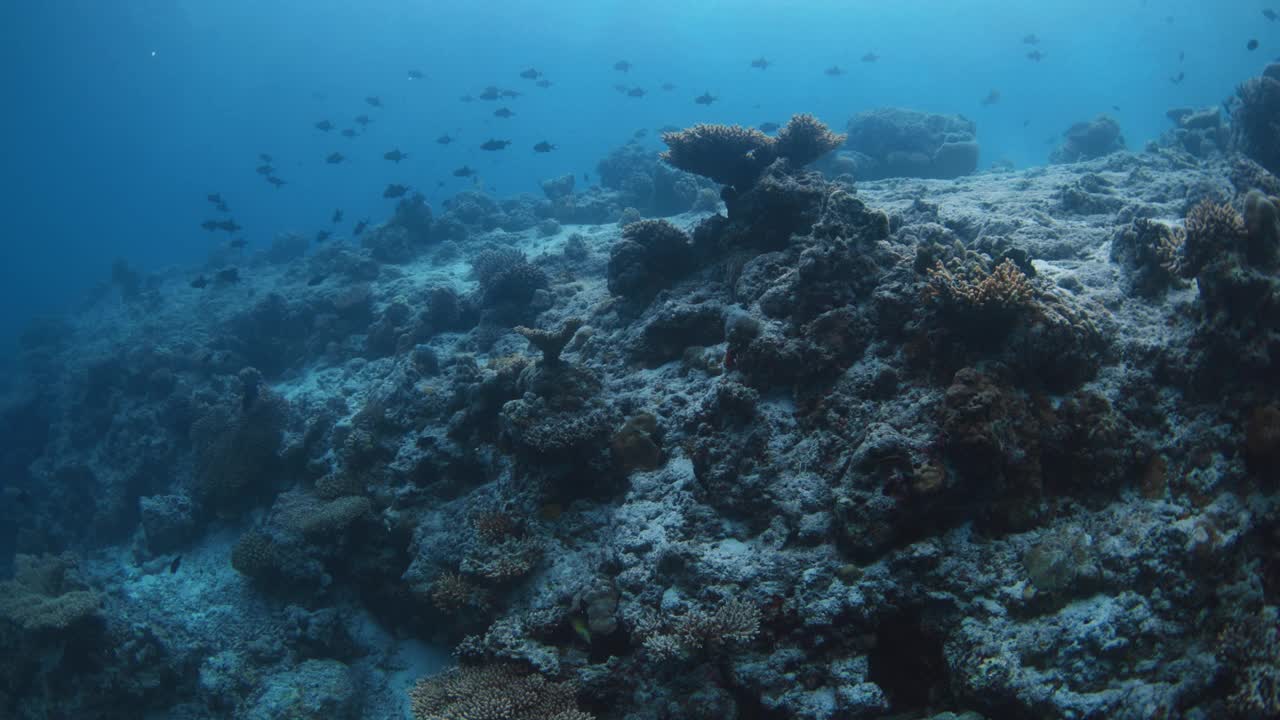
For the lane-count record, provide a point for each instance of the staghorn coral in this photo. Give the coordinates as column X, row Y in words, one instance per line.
column 733, row 621
column 1004, row 288
column 804, row 139
column 551, row 342
column 727, row 154
column 493, row 692
column 452, row 592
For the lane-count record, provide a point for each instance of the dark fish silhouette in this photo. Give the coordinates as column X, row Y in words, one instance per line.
column 510, row 94
column 229, row 275
column 395, row 191
column 495, row 144
column 622, row 66
column 544, row 147
column 173, row 566
column 1253, row 45
column 215, row 198
column 444, row 139
column 467, row 98
column 705, row 98
column 760, row 63
column 1269, row 14
column 323, row 235
column 1035, row 55
column 324, row 125
column 1031, row 39
column 200, row 282
column 503, row 112
column 490, row 93
column 335, row 158
column 374, row 101
column 636, row 92
column 265, row 158
column 668, row 87
column 464, row 171
column 359, row 228
column 769, row 127
column 416, row 75
column 992, row 98
column 227, row 225
column 222, row 207
column 870, row 57
column 337, row 217
column 530, row 74
column 543, row 83
column 1116, row 108
column 1177, row 79
column 276, row 181
column 363, row 120
column 264, row 169
column 833, row 71
column 349, row 133
column 395, row 156
column 1182, row 55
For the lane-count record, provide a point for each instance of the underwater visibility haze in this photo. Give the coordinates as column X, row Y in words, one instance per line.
column 829, row 359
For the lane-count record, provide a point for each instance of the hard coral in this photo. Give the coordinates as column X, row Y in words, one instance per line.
column 727, row 154
column 551, row 342
column 495, row 692
column 46, row 594
column 734, row 155
column 804, row 139
column 1005, row 288
column 651, row 255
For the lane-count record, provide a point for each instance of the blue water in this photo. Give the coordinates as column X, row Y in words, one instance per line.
column 121, row 116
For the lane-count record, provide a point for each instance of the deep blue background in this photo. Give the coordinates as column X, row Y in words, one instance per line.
column 109, row 149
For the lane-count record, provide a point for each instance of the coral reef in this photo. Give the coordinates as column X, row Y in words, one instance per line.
column 736, row 156
column 1088, row 140
column 1254, row 128
column 895, row 142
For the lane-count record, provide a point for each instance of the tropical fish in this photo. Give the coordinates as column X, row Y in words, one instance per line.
column 276, row 181
column 870, row 57
column 760, row 63
column 324, row 125
column 530, row 74
column 1269, row 14
column 503, row 112
column 444, row 139
column 467, row 98
column 509, row 94
column 323, row 235
column 1177, row 79
column 1035, row 55
column 374, row 101
column 1031, row 39
column 622, row 66
column 337, row 217
column 416, row 75
column 705, row 98
column 992, row 98
column 543, row 83
column 363, row 120
column 464, row 171
column 395, row 156
column 636, row 92
column 668, row 87
column 1252, row 45
column 833, row 71
column 495, row 144
column 544, row 147
column 265, row 158
column 349, row 133
column 490, row 93
column 335, row 158
column 264, row 169
column 395, row 191
column 359, row 228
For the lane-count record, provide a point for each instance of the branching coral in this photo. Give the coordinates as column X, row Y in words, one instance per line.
column 734, row 155
column 551, row 342
column 494, row 692
column 1005, row 288
column 46, row 594
column 804, row 139
column 734, row 621
column 1211, row 228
